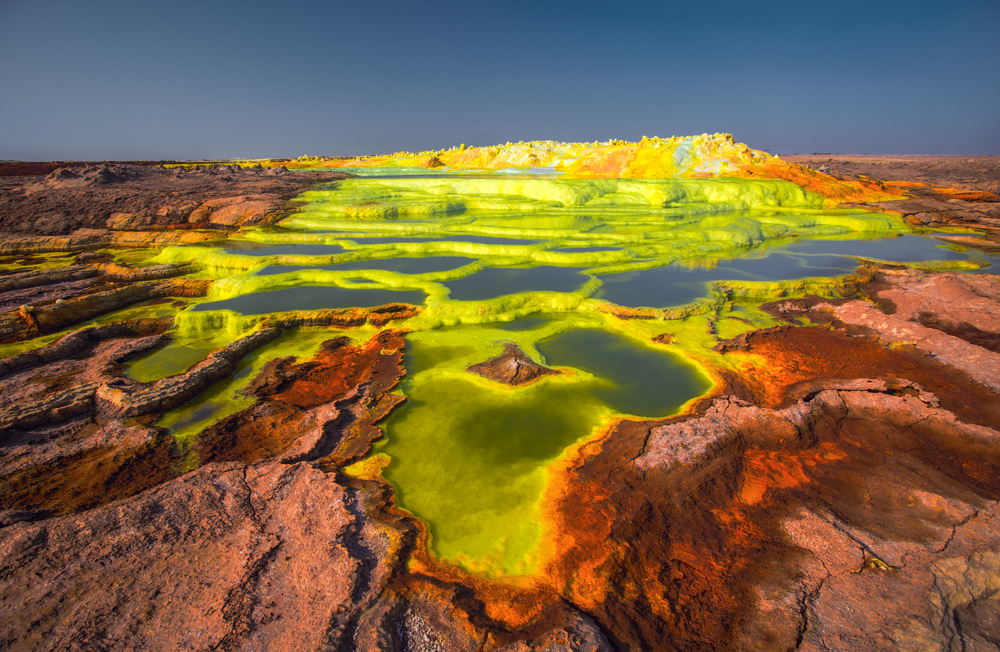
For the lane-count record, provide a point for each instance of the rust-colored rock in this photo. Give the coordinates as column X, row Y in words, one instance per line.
column 795, row 369
column 664, row 338
column 84, row 465
column 73, row 343
column 379, row 316
column 55, row 457
column 512, row 367
column 264, row 557
column 238, row 211
column 34, row 278
column 715, row 537
column 950, row 317
column 322, row 410
column 37, row 288
column 88, row 240
column 117, row 272
column 981, row 364
column 15, row 245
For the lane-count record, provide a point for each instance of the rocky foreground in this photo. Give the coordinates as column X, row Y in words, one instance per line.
column 844, row 496
column 116, row 197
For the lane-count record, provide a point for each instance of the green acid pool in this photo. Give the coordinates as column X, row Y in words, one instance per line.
column 469, row 455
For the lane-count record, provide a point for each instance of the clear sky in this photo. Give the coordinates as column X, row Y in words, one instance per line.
column 136, row 79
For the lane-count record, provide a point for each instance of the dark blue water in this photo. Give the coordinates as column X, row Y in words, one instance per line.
column 444, row 237
column 312, row 298
column 495, row 282
column 640, row 381
column 678, row 285
column 423, row 265
column 902, row 249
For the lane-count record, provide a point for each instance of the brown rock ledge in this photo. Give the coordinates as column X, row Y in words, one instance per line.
column 271, row 556
column 125, row 197
column 512, row 367
column 956, row 190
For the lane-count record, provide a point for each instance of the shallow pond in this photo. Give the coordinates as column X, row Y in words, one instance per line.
column 634, row 379
column 680, row 284
column 494, row 282
column 899, row 249
column 170, row 360
column 469, row 455
column 366, row 240
column 401, row 265
column 310, row 297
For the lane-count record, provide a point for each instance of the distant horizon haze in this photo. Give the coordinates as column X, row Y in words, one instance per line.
column 126, row 80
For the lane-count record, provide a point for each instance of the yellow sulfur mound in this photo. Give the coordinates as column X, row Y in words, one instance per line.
column 707, row 155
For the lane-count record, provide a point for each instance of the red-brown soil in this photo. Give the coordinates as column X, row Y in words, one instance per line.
column 980, row 173
column 742, row 507
column 943, row 190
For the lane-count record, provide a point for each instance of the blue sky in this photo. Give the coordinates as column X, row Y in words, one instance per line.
column 110, row 79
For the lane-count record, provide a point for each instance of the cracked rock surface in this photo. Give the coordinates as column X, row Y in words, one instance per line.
column 228, row 555
column 512, row 367
column 901, row 583
column 123, row 197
